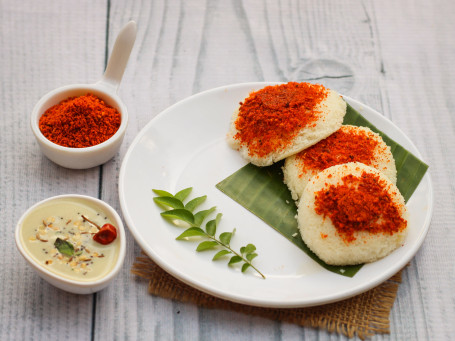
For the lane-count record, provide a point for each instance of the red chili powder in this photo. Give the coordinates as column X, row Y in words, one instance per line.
column 79, row 122
column 360, row 204
column 343, row 146
column 269, row 119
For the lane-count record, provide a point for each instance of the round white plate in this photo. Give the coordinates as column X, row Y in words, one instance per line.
column 185, row 146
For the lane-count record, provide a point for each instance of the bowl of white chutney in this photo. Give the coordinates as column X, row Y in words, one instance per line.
column 74, row 242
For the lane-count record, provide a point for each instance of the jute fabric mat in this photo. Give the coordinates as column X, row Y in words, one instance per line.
column 363, row 315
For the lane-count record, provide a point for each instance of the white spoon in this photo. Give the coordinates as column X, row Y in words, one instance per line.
column 106, row 89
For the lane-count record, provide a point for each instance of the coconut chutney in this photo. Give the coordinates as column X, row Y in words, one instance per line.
column 57, row 237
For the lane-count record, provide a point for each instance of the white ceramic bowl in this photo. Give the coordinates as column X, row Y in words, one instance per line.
column 60, row 281
column 79, row 158
column 106, row 89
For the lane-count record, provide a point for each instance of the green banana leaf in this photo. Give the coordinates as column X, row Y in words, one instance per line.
column 261, row 190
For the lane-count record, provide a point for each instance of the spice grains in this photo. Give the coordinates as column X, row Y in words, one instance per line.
column 80, row 122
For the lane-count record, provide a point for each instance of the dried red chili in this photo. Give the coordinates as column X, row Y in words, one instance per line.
column 343, row 146
column 269, row 119
column 79, row 122
column 360, row 204
column 106, row 234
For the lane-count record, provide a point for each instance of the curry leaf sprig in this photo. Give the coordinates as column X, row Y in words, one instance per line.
column 180, row 212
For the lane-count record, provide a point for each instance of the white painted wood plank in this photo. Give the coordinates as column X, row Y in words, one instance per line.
column 43, row 45
column 418, row 50
column 125, row 310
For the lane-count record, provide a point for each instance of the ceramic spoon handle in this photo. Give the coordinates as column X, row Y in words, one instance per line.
column 119, row 56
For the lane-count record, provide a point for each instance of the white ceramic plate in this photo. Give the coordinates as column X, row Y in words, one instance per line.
column 185, row 146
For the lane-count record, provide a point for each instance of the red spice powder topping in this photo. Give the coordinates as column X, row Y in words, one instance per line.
column 269, row 119
column 360, row 204
column 79, row 122
column 343, row 146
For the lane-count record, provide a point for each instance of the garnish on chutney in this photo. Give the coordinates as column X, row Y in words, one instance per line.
column 105, row 235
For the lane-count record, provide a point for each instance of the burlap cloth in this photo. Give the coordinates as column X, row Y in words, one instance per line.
column 363, row 315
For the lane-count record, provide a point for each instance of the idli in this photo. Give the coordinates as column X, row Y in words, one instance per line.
column 348, row 144
column 351, row 214
column 278, row 121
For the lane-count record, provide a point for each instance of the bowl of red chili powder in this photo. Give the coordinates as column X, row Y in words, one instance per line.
column 80, row 126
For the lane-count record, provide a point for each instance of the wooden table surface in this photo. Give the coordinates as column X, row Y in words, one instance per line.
column 395, row 56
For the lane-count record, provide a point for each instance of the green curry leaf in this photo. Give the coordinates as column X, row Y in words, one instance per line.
column 64, row 247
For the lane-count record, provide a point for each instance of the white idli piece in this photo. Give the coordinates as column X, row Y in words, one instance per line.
column 348, row 144
column 352, row 214
column 278, row 121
